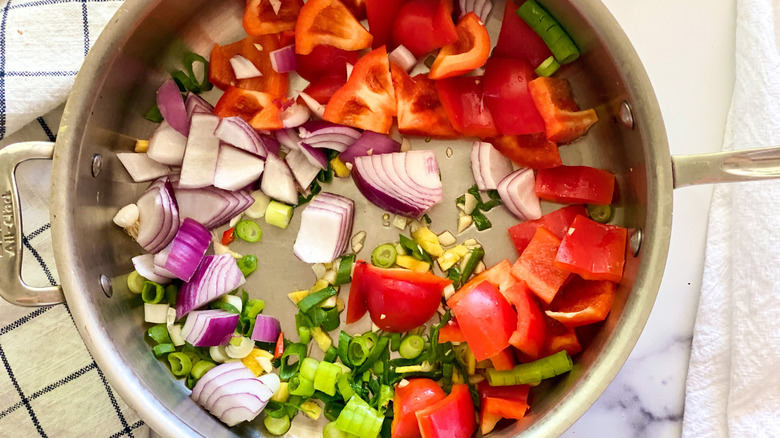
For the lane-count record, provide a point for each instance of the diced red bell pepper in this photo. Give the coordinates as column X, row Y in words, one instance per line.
column 424, row 25
column 511, row 392
column 556, row 222
column 507, row 96
column 493, row 407
column 582, row 302
column 367, row 100
column 261, row 19
column 329, row 22
column 505, row 360
column 486, row 319
column 324, row 61
column 575, row 185
column 221, row 71
column 257, row 108
column 356, row 303
column 537, row 268
column 470, row 51
column 418, row 106
column 560, row 338
column 462, row 99
column 322, row 89
column 563, row 120
column 381, row 16
column 498, row 275
column 453, row 417
column 594, row 251
column 417, row 394
column 531, row 332
column 228, row 236
column 517, row 40
column 357, row 7
column 451, row 332
column 531, row 150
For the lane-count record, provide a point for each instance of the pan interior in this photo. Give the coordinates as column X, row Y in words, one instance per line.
column 147, row 40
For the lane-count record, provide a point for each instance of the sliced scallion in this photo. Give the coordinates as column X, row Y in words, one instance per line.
column 301, row 386
column 358, row 351
column 358, row 418
column 152, row 292
column 600, row 213
column 412, row 346
column 248, row 231
column 344, row 273
column 160, row 350
column 309, row 368
column 278, row 214
column 277, row 426
column 532, row 372
column 474, row 258
column 287, row 369
column 332, row 321
column 171, row 292
column 326, row 377
column 253, row 308
column 135, row 282
column 316, row 298
column 548, row 67
column 247, row 264
column 159, row 334
column 343, row 348
column 181, row 365
column 547, row 27
column 384, row 255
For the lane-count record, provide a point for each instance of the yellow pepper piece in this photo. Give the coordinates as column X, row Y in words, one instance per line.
column 298, row 295
column 412, row 263
column 319, row 285
column 321, row 338
column 141, row 145
column 341, row 169
column 252, row 361
column 282, row 394
column 428, row 240
column 311, row 409
column 451, row 256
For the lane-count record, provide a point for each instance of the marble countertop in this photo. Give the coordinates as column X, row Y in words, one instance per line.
column 689, row 57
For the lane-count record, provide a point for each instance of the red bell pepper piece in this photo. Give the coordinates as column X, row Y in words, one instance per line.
column 531, row 150
column 470, row 51
column 356, row 303
column 279, row 348
column 451, row 332
column 556, row 222
column 537, row 268
column 563, row 120
column 505, row 360
column 410, row 398
column 257, row 108
column 328, row 22
column 453, row 417
column 512, row 392
column 228, row 236
column 517, row 40
column 531, row 332
column 357, row 7
column 575, row 185
column 486, row 319
column 424, row 25
column 559, row 338
column 367, row 100
column 324, row 61
column 462, row 99
column 507, row 96
column 498, row 275
column 582, row 302
column 419, row 109
column 594, row 251
column 493, row 407
column 260, row 18
column 322, row 89
column 221, row 71
column 381, row 16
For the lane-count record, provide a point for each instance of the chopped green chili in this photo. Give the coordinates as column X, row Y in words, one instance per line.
column 135, row 282
column 159, row 334
column 344, row 273
column 247, row 264
column 314, row 189
column 316, row 298
column 414, row 249
column 412, row 346
column 189, row 61
column 152, row 292
column 181, row 365
column 532, row 372
column 480, row 220
column 454, row 275
column 248, row 231
column 317, row 316
column 288, row 369
column 160, row 350
column 384, row 255
column 223, row 305
column 184, row 82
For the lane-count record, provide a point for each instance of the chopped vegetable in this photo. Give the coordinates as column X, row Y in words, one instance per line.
column 563, row 120
column 278, row 214
column 537, row 268
column 326, row 224
column 358, row 418
column 207, row 328
column 470, row 51
column 532, row 372
column 384, row 255
column 328, row 22
column 544, row 24
column 592, row 250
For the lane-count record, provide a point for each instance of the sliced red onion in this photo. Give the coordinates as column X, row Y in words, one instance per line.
column 237, row 132
column 481, row 8
column 327, row 135
column 283, row 60
column 208, row 328
column 172, row 107
column 302, row 169
column 316, row 108
column 216, row 276
column 236, row 168
column 200, row 157
column 215, row 377
column 326, row 225
column 187, row 249
column 267, row 329
column 408, row 184
column 349, row 67
column 403, row 58
column 144, row 264
column 141, row 167
column 231, row 392
column 278, row 181
column 197, row 105
column 243, row 68
column 211, row 206
column 158, row 216
column 492, row 166
column 316, row 157
column 159, row 262
column 518, row 194
column 288, row 138
column 369, row 143
column 167, row 145
column 295, row 115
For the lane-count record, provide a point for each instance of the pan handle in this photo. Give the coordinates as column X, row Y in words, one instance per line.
column 12, row 287
column 742, row 165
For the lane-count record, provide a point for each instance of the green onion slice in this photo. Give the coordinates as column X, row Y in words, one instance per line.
column 316, row 298
column 152, row 292
column 343, row 348
column 326, row 377
column 247, row 264
column 547, row 27
column 412, row 346
column 135, row 282
column 277, row 426
column 384, row 255
column 532, row 372
column 600, row 213
column 159, row 334
column 309, row 368
column 287, row 369
column 548, row 67
column 358, row 418
column 160, row 350
column 181, row 365
column 344, row 273
column 248, row 230
column 301, row 386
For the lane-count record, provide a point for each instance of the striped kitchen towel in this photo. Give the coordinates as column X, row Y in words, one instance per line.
column 49, row 384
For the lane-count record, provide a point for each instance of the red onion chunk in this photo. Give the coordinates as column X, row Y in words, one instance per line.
column 158, row 216
column 295, row 115
column 278, row 181
column 209, row 328
column 144, row 264
column 346, row 205
column 288, row 138
column 315, row 156
column 481, row 8
column 167, row 145
column 322, row 134
column 236, row 168
column 244, row 68
column 301, row 168
column 491, row 167
column 267, row 329
column 211, row 206
column 141, row 167
column 326, row 225
column 518, row 194
column 315, row 107
column 172, row 107
column 231, row 392
column 235, row 131
column 159, row 262
column 216, row 377
column 283, row 60
column 187, row 249
column 200, row 157
column 403, row 58
column 369, row 143
column 216, row 276
column 197, row 105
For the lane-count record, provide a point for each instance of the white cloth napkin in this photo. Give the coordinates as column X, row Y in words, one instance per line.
column 733, row 386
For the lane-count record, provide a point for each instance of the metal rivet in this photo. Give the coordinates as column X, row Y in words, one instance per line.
column 105, row 284
column 97, row 164
column 635, row 241
column 626, row 116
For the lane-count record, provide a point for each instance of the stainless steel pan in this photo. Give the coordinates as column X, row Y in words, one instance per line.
column 144, row 42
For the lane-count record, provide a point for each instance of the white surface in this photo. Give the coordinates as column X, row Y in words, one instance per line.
column 688, row 51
